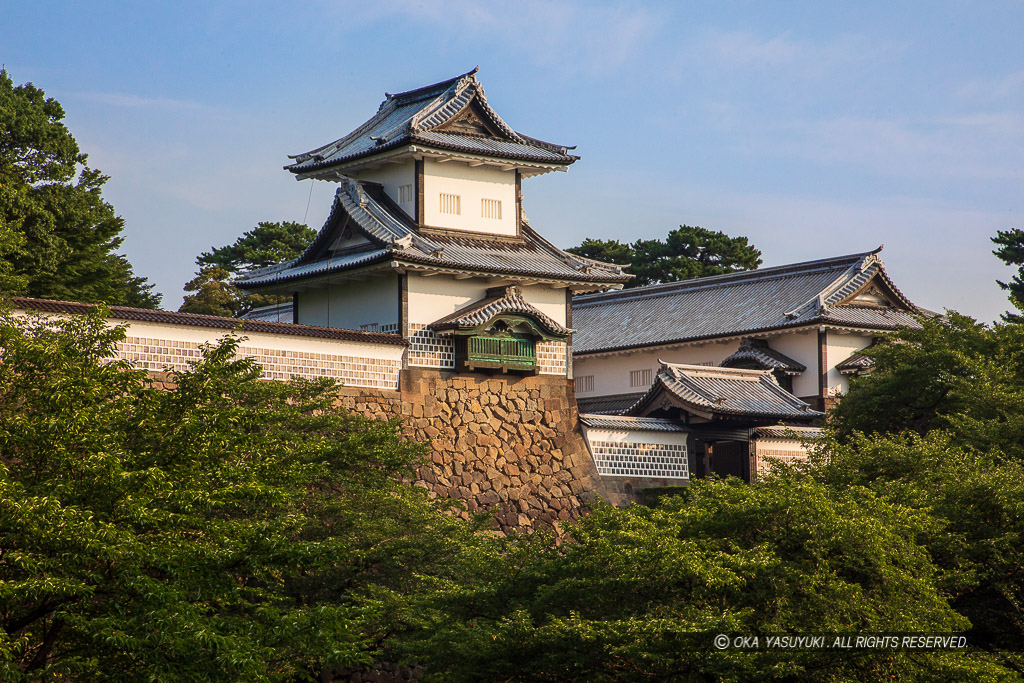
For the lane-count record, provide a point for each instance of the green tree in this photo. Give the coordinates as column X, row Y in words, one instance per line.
column 687, row 252
column 231, row 529
column 58, row 237
column 637, row 594
column 213, row 294
column 953, row 374
column 977, row 499
column 1011, row 252
column 265, row 245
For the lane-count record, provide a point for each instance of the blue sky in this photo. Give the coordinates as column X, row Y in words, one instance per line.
column 815, row 129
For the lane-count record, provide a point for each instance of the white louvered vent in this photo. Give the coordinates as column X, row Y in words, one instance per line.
column 490, row 208
column 640, row 378
column 405, row 194
column 584, row 383
column 451, row 203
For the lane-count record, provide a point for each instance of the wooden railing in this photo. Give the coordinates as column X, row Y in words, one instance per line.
column 512, row 353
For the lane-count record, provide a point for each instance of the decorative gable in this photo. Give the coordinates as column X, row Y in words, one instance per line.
column 472, row 120
column 872, row 295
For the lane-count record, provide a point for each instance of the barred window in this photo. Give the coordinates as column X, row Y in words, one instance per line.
column 640, row 378
column 405, row 194
column 585, row 383
column 451, row 203
column 490, row 208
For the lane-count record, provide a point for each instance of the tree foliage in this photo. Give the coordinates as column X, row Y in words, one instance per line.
column 227, row 530
column 975, row 497
column 265, row 245
column 953, row 374
column 637, row 594
column 58, row 237
column 213, row 294
column 1011, row 252
column 687, row 252
column 939, row 426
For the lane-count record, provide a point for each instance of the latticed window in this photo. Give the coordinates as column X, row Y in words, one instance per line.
column 451, row 203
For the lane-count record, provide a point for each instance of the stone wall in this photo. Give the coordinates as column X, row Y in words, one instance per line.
column 621, row 491
column 507, row 444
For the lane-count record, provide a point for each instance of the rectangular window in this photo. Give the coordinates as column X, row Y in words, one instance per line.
column 451, row 203
column 370, row 327
column 490, row 208
column 640, row 378
column 584, row 383
column 405, row 194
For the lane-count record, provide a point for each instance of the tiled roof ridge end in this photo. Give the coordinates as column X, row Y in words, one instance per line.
column 666, row 288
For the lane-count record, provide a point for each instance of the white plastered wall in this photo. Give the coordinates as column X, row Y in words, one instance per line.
column 840, row 346
column 352, row 304
column 393, row 176
column 801, row 346
column 612, row 373
column 431, row 298
column 472, row 184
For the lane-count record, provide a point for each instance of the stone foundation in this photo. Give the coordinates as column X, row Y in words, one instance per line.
column 508, row 444
column 621, row 491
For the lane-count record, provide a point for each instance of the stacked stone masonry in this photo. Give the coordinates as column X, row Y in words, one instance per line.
column 505, row 444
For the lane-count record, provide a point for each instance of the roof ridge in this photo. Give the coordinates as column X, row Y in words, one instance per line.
column 425, row 91
column 354, row 134
column 712, row 370
column 665, row 288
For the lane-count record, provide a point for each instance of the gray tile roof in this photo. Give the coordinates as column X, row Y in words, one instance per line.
column 856, row 364
column 413, row 117
column 787, row 432
column 212, row 321
column 725, row 392
column 737, row 304
column 757, row 352
column 649, row 424
column 396, row 238
column 608, row 405
column 499, row 300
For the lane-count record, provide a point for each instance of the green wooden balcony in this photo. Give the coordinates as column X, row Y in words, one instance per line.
column 507, row 353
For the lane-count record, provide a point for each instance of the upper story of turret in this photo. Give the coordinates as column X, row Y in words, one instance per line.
column 443, row 156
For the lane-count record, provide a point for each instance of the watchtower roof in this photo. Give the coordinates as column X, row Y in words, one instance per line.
column 450, row 116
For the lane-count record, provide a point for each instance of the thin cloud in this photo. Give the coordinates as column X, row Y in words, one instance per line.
column 974, row 147
column 568, row 35
column 746, row 50
column 128, row 101
column 992, row 90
